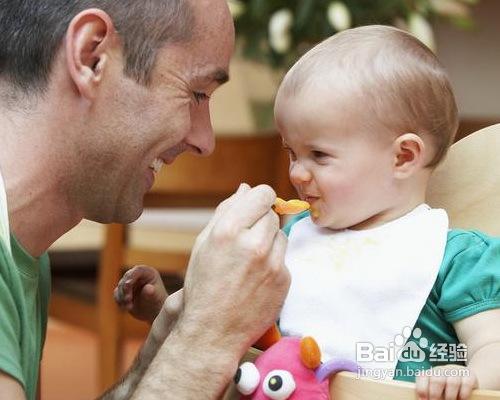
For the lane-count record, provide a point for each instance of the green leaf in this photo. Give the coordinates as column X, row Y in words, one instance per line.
column 259, row 9
column 304, row 13
column 463, row 23
column 311, row 25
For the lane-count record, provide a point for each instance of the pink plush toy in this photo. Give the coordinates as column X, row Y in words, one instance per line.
column 290, row 369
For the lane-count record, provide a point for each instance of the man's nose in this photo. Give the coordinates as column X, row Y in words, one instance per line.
column 201, row 137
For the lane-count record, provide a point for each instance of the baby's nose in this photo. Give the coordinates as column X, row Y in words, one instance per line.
column 299, row 174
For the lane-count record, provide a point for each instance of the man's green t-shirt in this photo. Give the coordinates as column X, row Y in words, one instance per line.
column 24, row 297
column 468, row 283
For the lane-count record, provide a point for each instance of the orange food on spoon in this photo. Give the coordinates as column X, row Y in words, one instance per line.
column 294, row 206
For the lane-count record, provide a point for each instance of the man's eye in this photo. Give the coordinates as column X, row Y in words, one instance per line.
column 199, row 97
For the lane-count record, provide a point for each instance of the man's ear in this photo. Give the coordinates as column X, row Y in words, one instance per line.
column 409, row 151
column 88, row 41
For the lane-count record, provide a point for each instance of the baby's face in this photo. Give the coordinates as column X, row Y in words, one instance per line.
column 337, row 163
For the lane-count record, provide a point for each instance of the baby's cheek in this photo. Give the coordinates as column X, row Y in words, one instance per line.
column 340, row 191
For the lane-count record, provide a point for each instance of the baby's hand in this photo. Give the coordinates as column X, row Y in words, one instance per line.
column 447, row 384
column 141, row 292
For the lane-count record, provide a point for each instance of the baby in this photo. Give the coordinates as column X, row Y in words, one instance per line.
column 377, row 276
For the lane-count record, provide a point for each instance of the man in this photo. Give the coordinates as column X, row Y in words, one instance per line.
column 92, row 100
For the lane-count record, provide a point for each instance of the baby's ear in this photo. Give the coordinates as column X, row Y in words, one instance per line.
column 409, row 151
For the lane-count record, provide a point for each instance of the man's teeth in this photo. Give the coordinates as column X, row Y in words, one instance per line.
column 156, row 165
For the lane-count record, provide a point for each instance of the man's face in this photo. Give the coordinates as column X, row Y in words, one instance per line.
column 342, row 169
column 136, row 129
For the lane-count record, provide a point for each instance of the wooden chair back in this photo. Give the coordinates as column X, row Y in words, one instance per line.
column 467, row 183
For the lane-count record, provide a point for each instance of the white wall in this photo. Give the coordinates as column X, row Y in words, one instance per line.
column 473, row 61
column 231, row 106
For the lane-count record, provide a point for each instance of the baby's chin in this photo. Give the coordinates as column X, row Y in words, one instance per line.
column 331, row 222
column 324, row 221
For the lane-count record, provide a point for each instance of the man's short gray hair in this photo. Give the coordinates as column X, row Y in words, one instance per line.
column 32, row 31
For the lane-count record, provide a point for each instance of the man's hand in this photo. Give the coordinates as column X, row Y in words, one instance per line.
column 166, row 318
column 235, row 286
column 160, row 329
column 237, row 281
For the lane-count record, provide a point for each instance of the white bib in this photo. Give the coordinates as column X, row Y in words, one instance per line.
column 362, row 286
column 4, row 217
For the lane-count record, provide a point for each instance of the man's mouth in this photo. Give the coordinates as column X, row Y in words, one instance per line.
column 156, row 165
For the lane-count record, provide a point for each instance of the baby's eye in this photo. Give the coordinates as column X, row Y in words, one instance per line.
column 200, row 96
column 278, row 384
column 319, row 154
column 247, row 378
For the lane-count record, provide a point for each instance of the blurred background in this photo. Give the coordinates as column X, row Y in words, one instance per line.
column 89, row 342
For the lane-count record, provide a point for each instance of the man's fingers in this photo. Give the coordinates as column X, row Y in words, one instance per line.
column 240, row 211
column 278, row 249
column 262, row 234
column 222, row 208
column 174, row 302
column 250, row 207
column 227, row 203
column 277, row 260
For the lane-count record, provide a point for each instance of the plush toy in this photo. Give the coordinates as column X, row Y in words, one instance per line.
column 289, row 369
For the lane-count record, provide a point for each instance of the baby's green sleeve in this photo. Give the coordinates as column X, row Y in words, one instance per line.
column 469, row 279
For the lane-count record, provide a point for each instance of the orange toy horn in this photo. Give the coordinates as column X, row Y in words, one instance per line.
column 310, row 354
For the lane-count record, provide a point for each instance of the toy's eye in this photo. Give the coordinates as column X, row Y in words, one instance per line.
column 278, row 384
column 247, row 378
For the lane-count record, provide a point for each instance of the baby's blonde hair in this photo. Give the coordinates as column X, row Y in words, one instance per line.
column 398, row 79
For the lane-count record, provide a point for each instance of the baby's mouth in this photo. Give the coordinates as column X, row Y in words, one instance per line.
column 311, row 199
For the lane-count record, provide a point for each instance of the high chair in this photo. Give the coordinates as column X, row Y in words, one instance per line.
column 467, row 185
